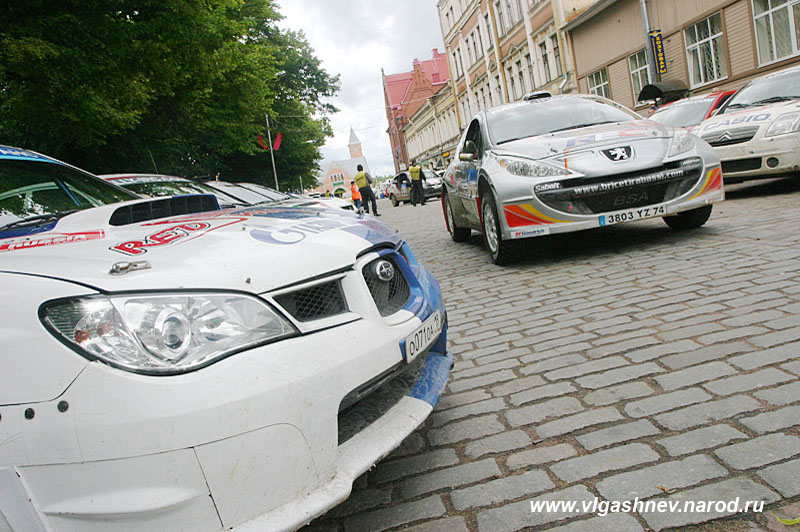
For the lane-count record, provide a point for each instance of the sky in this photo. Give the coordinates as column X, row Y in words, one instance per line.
column 355, row 39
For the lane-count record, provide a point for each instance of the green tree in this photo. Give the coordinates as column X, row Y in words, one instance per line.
column 173, row 85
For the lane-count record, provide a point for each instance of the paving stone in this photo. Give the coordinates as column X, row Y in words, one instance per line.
column 555, row 352
column 518, row 515
column 540, row 455
column 542, row 392
column 361, row 501
column 448, row 524
column 517, row 385
column 587, row 367
column 621, row 457
column 774, row 420
column 501, row 490
column 794, row 367
column 526, row 415
column 666, row 401
column 503, row 355
column 397, row 515
column 662, row 349
column 776, row 338
column 452, row 400
column 704, row 438
column 388, row 471
column 782, row 395
column 413, row 444
column 482, row 407
column 616, row 434
column 485, row 368
column 569, row 424
column 767, row 357
column 731, row 334
column 753, row 317
column 691, row 416
column 783, row 477
column 617, row 522
column 483, row 380
column 691, row 331
column 615, row 394
column 694, row 375
column 698, row 356
column 505, row 441
column 620, row 347
column 750, row 381
column 469, row 429
column 760, row 451
column 552, row 363
column 449, row 478
column 727, row 491
column 649, row 481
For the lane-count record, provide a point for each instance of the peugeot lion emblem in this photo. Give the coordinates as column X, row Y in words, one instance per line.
column 384, row 270
column 622, row 153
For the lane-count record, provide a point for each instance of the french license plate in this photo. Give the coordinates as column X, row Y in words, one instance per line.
column 632, row 214
column 422, row 338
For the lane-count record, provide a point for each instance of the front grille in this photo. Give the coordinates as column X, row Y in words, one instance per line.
column 621, row 191
column 741, row 165
column 389, row 296
column 320, row 301
column 163, row 208
column 731, row 136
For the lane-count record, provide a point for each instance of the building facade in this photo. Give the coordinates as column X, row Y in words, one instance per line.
column 432, row 133
column 335, row 176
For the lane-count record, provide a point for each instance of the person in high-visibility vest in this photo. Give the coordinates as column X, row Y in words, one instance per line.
column 417, row 194
column 356, row 196
column 363, row 181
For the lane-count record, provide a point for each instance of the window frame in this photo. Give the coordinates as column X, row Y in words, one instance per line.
column 791, row 6
column 720, row 60
column 637, row 72
column 603, row 85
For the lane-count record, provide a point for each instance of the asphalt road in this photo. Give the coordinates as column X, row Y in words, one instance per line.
column 621, row 363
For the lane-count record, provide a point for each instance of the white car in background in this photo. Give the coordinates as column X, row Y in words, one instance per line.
column 757, row 132
column 252, row 193
column 168, row 365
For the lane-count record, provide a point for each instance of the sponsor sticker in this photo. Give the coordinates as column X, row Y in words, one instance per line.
column 52, row 239
column 531, row 232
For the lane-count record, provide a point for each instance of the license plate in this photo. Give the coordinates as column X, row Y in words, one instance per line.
column 632, row 214
column 422, row 338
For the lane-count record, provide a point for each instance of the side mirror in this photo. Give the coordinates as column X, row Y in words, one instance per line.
column 469, row 151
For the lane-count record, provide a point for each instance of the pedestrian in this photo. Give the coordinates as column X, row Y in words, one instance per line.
column 356, row 196
column 417, row 194
column 364, row 182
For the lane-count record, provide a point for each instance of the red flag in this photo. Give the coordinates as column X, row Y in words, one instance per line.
column 262, row 143
column 277, row 143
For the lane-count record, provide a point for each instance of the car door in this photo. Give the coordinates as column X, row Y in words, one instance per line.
column 467, row 174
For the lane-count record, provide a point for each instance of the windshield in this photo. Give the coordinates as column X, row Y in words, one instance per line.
column 548, row 115
column 683, row 114
column 268, row 193
column 770, row 89
column 160, row 186
column 40, row 188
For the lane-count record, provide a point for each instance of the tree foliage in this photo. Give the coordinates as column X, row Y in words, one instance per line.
column 174, row 86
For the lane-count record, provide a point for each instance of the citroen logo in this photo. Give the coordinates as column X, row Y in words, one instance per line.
column 384, row 270
column 725, row 136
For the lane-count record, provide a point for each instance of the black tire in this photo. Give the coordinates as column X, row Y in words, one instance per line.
column 689, row 219
column 502, row 251
column 458, row 234
column 394, row 200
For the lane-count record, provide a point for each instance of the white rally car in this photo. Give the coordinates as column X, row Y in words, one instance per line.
column 215, row 370
column 757, row 132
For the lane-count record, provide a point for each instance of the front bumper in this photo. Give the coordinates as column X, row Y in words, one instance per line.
column 761, row 157
column 248, row 443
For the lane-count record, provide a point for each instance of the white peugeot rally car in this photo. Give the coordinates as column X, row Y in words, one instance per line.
column 208, row 370
column 757, row 132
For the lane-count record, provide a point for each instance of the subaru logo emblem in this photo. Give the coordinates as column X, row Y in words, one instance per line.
column 622, row 153
column 384, row 270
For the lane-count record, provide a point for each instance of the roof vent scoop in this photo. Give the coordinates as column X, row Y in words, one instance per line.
column 164, row 208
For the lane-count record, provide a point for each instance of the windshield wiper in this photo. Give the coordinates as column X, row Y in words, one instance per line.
column 775, row 99
column 578, row 126
column 38, row 219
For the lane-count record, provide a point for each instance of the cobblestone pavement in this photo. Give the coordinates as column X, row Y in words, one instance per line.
column 631, row 361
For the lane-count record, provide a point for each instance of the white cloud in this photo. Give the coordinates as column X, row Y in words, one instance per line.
column 356, row 38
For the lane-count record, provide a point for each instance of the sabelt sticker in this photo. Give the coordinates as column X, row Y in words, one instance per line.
column 51, row 239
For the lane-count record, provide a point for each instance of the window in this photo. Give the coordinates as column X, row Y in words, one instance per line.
column 777, row 29
column 598, row 83
column 513, row 89
column 545, row 62
column 530, row 70
column 556, row 55
column 470, row 52
column 705, row 51
column 501, row 28
column 521, row 77
column 640, row 75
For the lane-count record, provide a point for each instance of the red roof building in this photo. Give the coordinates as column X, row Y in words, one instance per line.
column 405, row 93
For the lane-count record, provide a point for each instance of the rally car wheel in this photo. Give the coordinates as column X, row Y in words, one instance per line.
column 502, row 251
column 689, row 219
column 458, row 234
column 394, row 200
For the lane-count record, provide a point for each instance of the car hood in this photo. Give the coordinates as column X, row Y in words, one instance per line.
column 601, row 136
column 750, row 116
column 255, row 249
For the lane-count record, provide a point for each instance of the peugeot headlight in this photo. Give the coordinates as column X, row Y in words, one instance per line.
column 164, row 333
column 786, row 123
column 529, row 168
column 682, row 142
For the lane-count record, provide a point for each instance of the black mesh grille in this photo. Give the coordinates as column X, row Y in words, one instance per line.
column 317, row 302
column 163, row 208
column 728, row 137
column 741, row 165
column 390, row 296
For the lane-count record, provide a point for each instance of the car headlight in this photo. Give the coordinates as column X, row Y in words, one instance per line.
column 529, row 168
column 786, row 123
column 164, row 334
column 682, row 142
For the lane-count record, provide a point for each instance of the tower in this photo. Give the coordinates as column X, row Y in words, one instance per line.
column 354, row 145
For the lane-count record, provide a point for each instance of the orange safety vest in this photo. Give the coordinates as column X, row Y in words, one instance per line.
column 355, row 192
